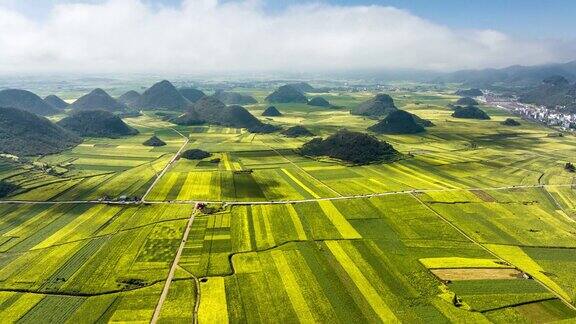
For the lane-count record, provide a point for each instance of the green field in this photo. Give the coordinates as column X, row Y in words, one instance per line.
column 291, row 239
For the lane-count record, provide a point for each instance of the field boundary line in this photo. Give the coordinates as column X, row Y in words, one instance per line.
column 490, row 251
column 380, row 194
column 196, row 302
column 159, row 176
column 515, row 305
column 172, row 271
column 301, row 169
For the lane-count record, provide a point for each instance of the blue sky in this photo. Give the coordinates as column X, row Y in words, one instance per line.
column 540, row 18
column 532, row 18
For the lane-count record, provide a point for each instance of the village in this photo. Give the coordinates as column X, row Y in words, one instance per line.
column 565, row 121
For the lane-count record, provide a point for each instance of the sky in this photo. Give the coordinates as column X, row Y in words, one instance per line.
column 212, row 36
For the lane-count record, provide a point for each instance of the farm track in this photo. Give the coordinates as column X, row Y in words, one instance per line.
column 196, row 301
column 159, row 176
column 273, row 202
column 172, row 271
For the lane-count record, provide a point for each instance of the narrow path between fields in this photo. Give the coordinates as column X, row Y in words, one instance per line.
column 159, row 176
column 564, row 300
column 173, row 268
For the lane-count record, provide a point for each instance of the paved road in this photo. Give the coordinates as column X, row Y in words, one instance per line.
column 380, row 194
column 173, row 269
column 271, row 202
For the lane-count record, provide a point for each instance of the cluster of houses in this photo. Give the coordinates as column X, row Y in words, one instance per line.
column 551, row 117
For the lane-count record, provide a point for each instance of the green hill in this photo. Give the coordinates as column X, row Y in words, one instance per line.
column 319, row 102
column 297, row 131
column 7, row 188
column 213, row 111
column 163, row 96
column 154, row 141
column 98, row 99
column 234, row 98
column 26, row 100
column 195, row 154
column 25, row 134
column 302, row 87
column 552, row 92
column 423, row 122
column 96, row 123
column 271, row 112
column 190, row 118
column 286, row 94
column 511, row 122
column 466, row 101
column 56, row 102
column 398, row 122
column 379, row 106
column 130, row 99
column 469, row 112
column 191, row 94
column 353, row 147
column 473, row 92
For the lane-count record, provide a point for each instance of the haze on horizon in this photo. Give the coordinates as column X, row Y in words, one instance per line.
column 210, row 36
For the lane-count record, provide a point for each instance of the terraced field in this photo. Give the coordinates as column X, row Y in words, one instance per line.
column 477, row 223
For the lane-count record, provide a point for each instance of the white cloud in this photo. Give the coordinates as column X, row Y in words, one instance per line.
column 209, row 36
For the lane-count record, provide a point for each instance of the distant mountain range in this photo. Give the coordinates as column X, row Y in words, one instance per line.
column 554, row 91
column 515, row 75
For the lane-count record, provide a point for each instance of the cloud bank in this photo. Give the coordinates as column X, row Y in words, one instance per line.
column 204, row 36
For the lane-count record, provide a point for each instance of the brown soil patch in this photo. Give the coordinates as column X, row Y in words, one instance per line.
column 476, row 273
column 483, row 195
